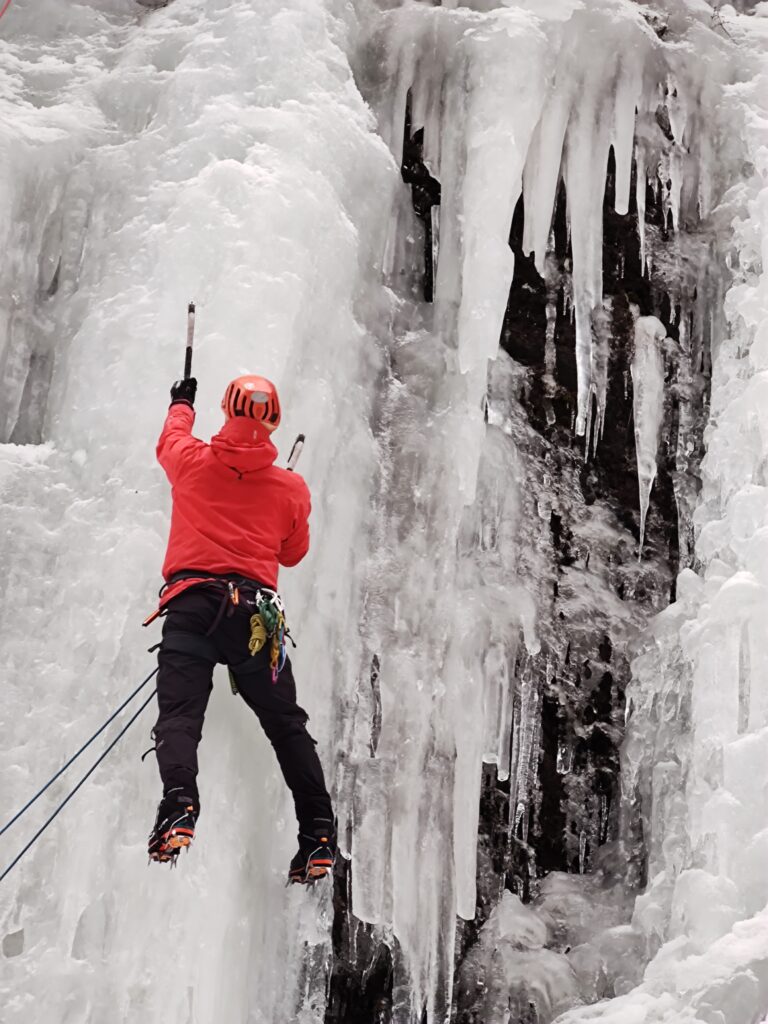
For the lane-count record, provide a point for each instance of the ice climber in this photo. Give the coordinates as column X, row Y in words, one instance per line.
column 235, row 517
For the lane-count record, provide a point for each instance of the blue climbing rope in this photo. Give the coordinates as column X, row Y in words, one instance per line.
column 74, row 757
column 87, row 775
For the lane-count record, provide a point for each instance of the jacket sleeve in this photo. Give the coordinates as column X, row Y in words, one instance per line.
column 176, row 444
column 296, row 544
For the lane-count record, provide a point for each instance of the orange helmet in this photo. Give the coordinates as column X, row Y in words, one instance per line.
column 255, row 397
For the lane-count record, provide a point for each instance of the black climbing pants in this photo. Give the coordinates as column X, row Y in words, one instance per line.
column 184, row 684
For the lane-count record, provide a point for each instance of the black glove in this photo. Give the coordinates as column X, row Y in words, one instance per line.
column 184, row 391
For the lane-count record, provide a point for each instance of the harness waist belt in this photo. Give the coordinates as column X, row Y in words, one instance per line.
column 225, row 577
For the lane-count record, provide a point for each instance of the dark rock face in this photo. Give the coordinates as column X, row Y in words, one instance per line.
column 593, row 592
column 601, row 593
column 362, row 970
column 425, row 194
column 583, row 701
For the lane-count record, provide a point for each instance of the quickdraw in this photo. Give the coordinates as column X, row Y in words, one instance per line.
column 268, row 623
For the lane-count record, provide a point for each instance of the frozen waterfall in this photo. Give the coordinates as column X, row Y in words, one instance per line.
column 504, row 260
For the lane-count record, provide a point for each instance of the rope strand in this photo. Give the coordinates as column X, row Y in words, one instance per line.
column 87, row 775
column 74, row 757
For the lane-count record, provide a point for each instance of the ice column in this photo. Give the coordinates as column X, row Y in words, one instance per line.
column 647, row 371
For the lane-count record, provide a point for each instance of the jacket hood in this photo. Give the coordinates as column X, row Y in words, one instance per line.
column 243, row 445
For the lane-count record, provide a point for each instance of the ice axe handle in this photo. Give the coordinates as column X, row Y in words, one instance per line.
column 190, row 339
column 293, row 458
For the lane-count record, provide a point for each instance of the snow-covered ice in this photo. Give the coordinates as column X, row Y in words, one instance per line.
column 210, row 150
column 224, row 151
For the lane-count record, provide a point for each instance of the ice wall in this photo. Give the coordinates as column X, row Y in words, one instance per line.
column 696, row 753
column 510, row 99
column 219, row 151
column 222, row 151
column 515, row 105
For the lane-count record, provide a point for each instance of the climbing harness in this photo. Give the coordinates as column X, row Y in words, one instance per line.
column 85, row 777
column 267, row 622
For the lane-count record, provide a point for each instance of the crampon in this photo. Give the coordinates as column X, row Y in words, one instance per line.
column 317, row 851
column 174, row 828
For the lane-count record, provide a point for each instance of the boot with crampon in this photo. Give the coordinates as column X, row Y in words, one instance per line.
column 174, row 826
column 317, row 851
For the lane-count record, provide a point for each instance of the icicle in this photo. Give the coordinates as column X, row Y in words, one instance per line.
column 677, row 110
column 549, row 342
column 427, row 96
column 542, row 175
column 628, row 92
column 524, row 750
column 641, row 183
column 496, row 143
column 550, row 354
column 598, row 116
column 656, row 186
column 402, row 73
column 585, row 163
column 676, row 173
column 704, row 162
column 602, row 334
column 498, row 709
column 686, row 323
column 647, row 371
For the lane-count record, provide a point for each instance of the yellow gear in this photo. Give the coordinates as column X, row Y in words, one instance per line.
column 258, row 634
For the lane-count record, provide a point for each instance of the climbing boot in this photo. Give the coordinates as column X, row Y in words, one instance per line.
column 317, row 851
column 174, row 826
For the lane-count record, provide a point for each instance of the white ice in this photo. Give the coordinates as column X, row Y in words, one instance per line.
column 647, row 371
column 216, row 151
column 697, row 746
column 222, row 150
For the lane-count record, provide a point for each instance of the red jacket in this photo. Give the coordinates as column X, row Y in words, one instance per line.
column 233, row 510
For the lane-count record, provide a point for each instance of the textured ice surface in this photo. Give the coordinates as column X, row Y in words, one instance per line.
column 210, row 150
column 697, row 748
column 563, row 114
column 221, row 150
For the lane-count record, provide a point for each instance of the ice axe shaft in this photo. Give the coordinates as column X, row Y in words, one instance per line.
column 190, row 340
column 298, row 447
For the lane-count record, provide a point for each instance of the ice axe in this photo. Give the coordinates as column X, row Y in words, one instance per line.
column 298, row 447
column 298, row 444
column 190, row 339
